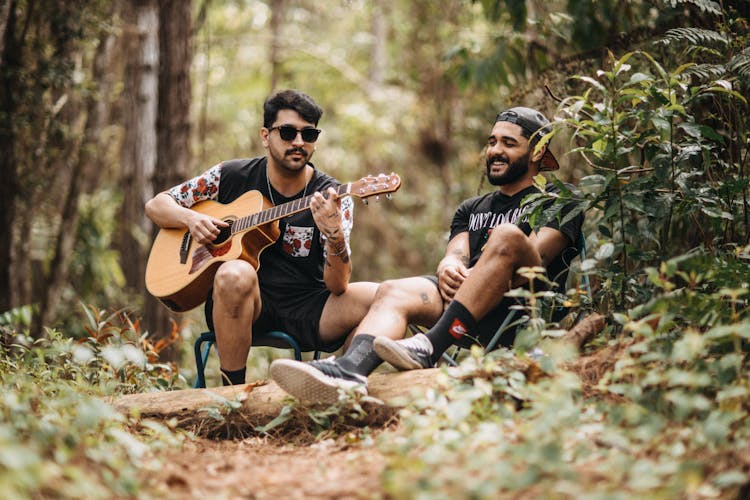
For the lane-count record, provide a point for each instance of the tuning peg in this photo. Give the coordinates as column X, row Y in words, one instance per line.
column 377, row 197
column 366, row 201
column 389, row 196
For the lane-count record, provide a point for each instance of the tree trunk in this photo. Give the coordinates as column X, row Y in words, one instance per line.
column 277, row 12
column 173, row 129
column 379, row 61
column 84, row 177
column 5, row 6
column 439, row 96
column 10, row 60
column 138, row 153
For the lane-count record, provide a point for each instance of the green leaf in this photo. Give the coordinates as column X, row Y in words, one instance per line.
column 639, row 77
column 732, row 392
column 730, row 479
column 284, row 415
column 605, row 251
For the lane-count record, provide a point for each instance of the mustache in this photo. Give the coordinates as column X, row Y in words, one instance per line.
column 296, row 150
column 501, row 158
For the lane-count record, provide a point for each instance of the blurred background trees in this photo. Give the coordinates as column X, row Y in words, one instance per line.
column 103, row 104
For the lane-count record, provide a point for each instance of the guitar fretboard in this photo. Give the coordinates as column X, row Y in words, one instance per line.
column 280, row 211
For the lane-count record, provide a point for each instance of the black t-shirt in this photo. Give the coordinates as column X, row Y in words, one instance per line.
column 480, row 214
column 291, row 269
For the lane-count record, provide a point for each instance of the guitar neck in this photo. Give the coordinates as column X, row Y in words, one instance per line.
column 280, row 211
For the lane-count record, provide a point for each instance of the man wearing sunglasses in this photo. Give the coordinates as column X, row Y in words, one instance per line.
column 464, row 302
column 302, row 283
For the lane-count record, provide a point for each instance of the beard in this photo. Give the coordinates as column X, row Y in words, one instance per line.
column 512, row 173
column 289, row 164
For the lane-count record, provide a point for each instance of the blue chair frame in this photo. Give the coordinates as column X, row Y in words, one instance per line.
column 273, row 338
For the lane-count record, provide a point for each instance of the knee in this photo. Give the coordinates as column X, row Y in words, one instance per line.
column 508, row 242
column 388, row 291
column 408, row 294
column 235, row 278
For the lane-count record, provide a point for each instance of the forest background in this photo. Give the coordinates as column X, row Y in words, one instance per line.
column 104, row 103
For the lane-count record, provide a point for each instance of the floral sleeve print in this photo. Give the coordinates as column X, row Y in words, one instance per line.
column 347, row 221
column 202, row 187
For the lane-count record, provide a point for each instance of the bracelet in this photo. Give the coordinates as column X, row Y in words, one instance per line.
column 342, row 252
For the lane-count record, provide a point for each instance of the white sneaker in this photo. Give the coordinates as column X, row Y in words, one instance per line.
column 413, row 353
column 316, row 381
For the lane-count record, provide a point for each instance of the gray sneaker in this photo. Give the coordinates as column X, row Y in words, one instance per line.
column 316, row 381
column 413, row 353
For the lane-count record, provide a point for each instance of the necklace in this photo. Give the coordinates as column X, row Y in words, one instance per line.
column 270, row 191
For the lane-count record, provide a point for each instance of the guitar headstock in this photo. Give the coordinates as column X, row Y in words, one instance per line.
column 374, row 185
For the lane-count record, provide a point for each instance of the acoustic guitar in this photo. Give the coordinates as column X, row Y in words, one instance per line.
column 180, row 271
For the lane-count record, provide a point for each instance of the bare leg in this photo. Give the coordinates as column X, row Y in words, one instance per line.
column 237, row 305
column 314, row 380
column 399, row 303
column 507, row 250
column 494, row 274
column 385, row 312
column 342, row 313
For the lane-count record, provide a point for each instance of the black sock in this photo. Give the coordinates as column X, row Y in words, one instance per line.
column 360, row 358
column 235, row 377
column 455, row 323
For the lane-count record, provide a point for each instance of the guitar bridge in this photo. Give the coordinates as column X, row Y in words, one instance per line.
column 185, row 246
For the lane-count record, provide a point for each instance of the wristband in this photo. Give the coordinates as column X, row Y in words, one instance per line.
column 342, row 252
column 336, row 254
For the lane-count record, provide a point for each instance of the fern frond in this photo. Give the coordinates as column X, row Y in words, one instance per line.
column 740, row 66
column 694, row 36
column 700, row 50
column 706, row 72
column 704, row 5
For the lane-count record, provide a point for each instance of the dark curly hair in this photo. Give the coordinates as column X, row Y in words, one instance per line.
column 291, row 99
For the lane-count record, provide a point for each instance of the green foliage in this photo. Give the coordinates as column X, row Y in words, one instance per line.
column 663, row 411
column 18, row 318
column 667, row 159
column 666, row 422
column 95, row 265
column 58, row 436
column 121, row 358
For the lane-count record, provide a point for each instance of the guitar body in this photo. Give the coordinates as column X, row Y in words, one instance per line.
column 180, row 272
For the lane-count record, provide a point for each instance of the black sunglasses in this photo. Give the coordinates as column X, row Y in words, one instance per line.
column 288, row 133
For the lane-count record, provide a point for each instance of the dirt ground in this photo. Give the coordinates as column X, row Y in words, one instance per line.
column 349, row 467
column 266, row 468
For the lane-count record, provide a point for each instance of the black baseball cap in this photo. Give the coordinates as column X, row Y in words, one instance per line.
column 531, row 121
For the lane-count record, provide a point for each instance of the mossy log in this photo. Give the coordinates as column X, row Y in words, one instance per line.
column 261, row 402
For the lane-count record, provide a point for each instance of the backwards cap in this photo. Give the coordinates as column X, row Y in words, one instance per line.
column 531, row 121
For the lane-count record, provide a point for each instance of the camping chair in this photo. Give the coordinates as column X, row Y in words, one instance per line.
column 273, row 338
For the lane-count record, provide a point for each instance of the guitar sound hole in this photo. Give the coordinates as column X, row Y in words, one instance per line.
column 224, row 233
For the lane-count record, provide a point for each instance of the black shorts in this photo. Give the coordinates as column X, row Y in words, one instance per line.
column 301, row 320
column 490, row 324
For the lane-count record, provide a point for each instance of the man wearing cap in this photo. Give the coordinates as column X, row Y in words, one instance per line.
column 464, row 302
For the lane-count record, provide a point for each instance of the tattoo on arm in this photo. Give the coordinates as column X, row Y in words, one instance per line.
column 460, row 255
column 333, row 235
column 336, row 248
column 344, row 258
column 425, row 298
